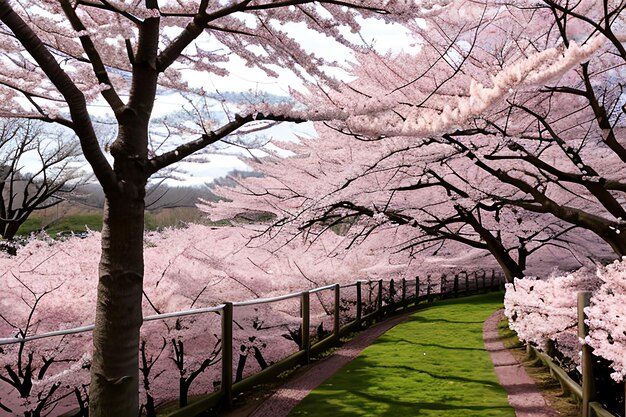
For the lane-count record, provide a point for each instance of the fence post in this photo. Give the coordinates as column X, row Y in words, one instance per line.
column 305, row 335
column 443, row 284
column 227, row 353
column 336, row 321
column 359, row 303
column 380, row 297
column 588, row 387
column 403, row 291
column 467, row 288
column 428, row 289
column 456, row 286
column 392, row 293
column 417, row 288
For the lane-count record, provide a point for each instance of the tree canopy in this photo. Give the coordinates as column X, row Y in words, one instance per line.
column 505, row 132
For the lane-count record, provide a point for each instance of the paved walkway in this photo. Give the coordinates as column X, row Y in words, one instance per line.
column 523, row 394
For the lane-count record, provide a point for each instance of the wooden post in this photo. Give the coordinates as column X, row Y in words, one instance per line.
column 466, row 282
column 305, row 335
column 588, row 385
column 227, row 353
column 359, row 302
column 417, row 288
column 442, row 285
column 337, row 305
column 380, row 296
column 456, row 286
column 428, row 289
column 392, row 293
column 403, row 290
column 530, row 352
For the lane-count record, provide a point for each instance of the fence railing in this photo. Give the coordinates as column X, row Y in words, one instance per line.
column 314, row 321
column 585, row 392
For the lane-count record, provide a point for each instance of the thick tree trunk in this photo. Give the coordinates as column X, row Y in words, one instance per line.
column 616, row 239
column 114, row 373
column 509, row 266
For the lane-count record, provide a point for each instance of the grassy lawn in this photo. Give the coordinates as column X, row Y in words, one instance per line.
column 73, row 223
column 434, row 364
column 77, row 222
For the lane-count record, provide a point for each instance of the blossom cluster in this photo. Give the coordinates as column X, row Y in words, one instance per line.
column 605, row 317
column 544, row 312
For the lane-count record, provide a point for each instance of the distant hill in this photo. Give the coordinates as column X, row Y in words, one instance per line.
column 157, row 198
column 162, row 196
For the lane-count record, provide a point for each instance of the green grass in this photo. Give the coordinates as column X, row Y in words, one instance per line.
column 432, row 365
column 507, row 336
column 77, row 222
column 72, row 223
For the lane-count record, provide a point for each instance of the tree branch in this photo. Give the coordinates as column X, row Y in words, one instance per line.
column 184, row 150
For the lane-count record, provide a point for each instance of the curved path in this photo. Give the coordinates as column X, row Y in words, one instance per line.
column 523, row 394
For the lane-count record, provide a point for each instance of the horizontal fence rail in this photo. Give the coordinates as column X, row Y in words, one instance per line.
column 245, row 342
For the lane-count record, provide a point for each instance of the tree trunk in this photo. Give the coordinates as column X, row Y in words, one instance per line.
column 11, row 228
column 114, row 373
column 615, row 239
column 509, row 266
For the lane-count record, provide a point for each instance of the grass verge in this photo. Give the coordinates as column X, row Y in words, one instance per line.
column 434, row 364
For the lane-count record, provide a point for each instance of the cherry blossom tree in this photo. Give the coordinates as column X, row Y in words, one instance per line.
column 40, row 377
column 605, row 317
column 355, row 188
column 520, row 109
column 544, row 310
column 530, row 96
column 62, row 55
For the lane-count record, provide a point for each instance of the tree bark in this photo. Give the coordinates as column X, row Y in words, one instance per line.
column 114, row 377
column 509, row 266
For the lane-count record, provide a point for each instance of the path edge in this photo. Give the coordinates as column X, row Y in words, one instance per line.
column 523, row 393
